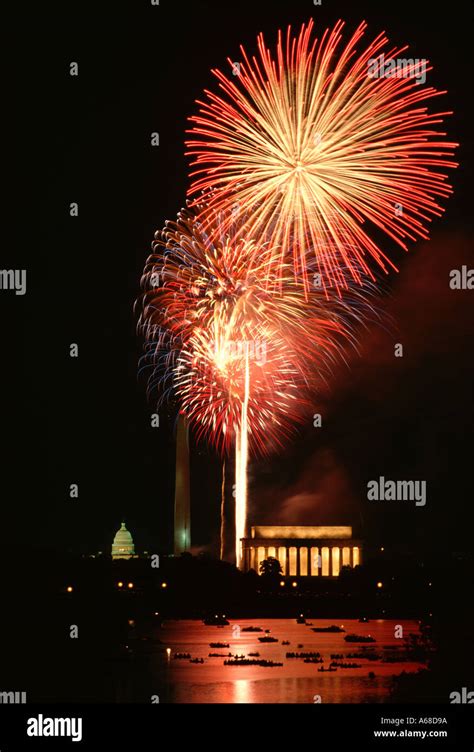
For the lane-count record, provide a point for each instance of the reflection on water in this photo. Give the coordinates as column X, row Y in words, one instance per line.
column 295, row 681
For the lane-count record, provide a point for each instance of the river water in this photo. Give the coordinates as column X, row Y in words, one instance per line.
column 295, row 681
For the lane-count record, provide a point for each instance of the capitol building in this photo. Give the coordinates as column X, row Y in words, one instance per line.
column 123, row 546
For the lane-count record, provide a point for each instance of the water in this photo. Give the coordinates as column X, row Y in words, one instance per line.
column 295, row 681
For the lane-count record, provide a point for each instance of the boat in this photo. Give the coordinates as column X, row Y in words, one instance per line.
column 325, row 670
column 251, row 629
column 332, row 628
column 251, row 662
column 267, row 639
column 254, row 655
column 301, row 619
column 219, row 645
column 197, row 660
column 364, row 620
column 285, row 642
column 220, row 655
column 359, row 638
column 343, row 664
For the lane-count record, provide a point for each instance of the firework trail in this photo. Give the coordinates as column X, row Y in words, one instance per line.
column 314, row 149
column 241, row 351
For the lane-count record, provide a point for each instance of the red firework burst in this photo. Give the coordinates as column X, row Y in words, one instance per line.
column 220, row 340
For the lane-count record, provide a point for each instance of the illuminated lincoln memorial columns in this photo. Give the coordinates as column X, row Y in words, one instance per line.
column 302, row 550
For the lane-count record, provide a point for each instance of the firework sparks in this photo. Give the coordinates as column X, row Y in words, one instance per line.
column 209, row 317
column 314, row 148
column 241, row 353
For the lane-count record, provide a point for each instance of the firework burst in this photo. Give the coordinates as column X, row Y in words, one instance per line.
column 223, row 334
column 319, row 153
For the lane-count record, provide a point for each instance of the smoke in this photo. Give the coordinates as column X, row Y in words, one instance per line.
column 322, row 494
column 405, row 417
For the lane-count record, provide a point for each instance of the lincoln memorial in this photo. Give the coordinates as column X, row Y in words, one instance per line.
column 302, row 550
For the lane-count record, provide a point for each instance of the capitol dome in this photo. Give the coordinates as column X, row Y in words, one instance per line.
column 123, row 546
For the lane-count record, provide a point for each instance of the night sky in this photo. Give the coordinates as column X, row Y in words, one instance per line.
column 87, row 420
